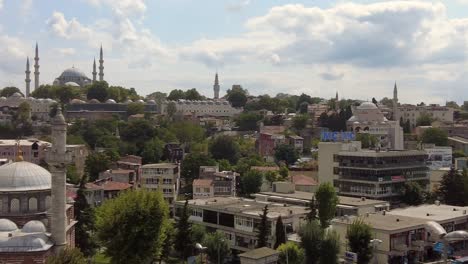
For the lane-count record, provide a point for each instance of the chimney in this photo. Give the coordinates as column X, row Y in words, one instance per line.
column 437, row 202
column 384, row 212
column 363, row 199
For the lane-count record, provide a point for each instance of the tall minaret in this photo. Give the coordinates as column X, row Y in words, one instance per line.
column 395, row 103
column 28, row 78
column 57, row 160
column 216, row 87
column 36, row 68
column 94, row 70
column 101, row 66
column 336, row 101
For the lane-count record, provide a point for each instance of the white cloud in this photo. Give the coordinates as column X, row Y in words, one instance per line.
column 123, row 7
column 12, row 53
column 66, row 51
column 26, row 7
column 237, row 5
column 1, row 4
column 71, row 29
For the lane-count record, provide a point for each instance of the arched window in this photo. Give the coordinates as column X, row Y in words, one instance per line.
column 14, row 206
column 1, row 205
column 32, row 204
column 48, row 202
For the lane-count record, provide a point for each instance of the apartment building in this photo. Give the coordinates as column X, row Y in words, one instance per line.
column 239, row 218
column 413, row 112
column 215, row 183
column 164, row 177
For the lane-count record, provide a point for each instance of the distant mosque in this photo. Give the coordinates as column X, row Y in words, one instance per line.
column 71, row 77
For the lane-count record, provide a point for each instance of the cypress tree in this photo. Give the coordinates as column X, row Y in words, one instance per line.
column 280, row 233
column 263, row 229
column 183, row 243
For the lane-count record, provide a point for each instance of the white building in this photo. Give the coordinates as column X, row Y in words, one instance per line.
column 217, row 108
column 40, row 108
column 368, row 118
column 413, row 112
column 164, row 177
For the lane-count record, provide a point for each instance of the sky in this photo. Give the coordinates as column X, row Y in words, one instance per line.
column 356, row 48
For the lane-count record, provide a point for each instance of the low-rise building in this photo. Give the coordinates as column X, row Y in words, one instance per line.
column 297, row 142
column 304, row 183
column 119, row 175
column 214, row 108
column 413, row 112
column 224, row 183
column 164, row 177
column 262, row 255
column 203, row 188
column 458, row 144
column 239, row 218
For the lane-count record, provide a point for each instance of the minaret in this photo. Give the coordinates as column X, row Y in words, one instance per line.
column 36, row 68
column 28, row 78
column 216, row 87
column 94, row 71
column 101, row 66
column 57, row 160
column 395, row 103
column 336, row 101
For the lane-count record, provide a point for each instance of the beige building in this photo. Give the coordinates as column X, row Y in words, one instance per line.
column 413, row 112
column 164, row 177
column 40, row 108
column 202, row 188
column 262, row 255
column 326, row 158
column 368, row 118
column 215, row 108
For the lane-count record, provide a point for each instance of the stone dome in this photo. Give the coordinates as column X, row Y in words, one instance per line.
column 94, row 101
column 7, row 225
column 24, row 176
column 110, row 101
column 17, row 95
column 77, row 101
column 74, row 84
column 34, row 226
column 73, row 72
column 367, row 106
column 140, row 101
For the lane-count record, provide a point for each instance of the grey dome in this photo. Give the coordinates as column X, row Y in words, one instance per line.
column 94, row 101
column 110, row 101
column 17, row 95
column 73, row 72
column 7, row 225
column 34, row 226
column 367, row 106
column 24, row 176
column 77, row 101
column 74, row 84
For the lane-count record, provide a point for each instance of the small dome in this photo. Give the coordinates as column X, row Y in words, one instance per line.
column 110, row 101
column 74, row 84
column 367, row 106
column 34, row 226
column 77, row 101
column 128, row 101
column 7, row 225
column 94, row 101
column 140, row 101
column 24, row 176
column 73, row 72
column 17, row 95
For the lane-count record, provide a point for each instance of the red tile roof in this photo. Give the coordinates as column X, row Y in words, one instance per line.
column 93, row 186
column 115, row 186
column 303, row 180
column 202, row 182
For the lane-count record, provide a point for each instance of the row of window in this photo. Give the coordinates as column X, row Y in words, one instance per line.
column 244, row 221
column 199, row 190
column 156, row 181
column 157, row 171
column 15, row 205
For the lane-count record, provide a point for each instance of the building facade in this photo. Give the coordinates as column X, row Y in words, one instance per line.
column 164, row 177
column 413, row 112
column 216, row 108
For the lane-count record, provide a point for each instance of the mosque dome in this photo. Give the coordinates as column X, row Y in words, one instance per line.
column 128, row 101
column 94, row 101
column 17, row 95
column 73, row 72
column 24, row 176
column 7, row 225
column 74, row 84
column 367, row 106
column 140, row 101
column 77, row 101
column 34, row 226
column 110, row 101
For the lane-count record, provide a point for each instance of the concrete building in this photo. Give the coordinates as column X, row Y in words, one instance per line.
column 216, row 108
column 164, row 177
column 40, row 108
column 379, row 175
column 327, row 161
column 119, row 175
column 203, row 188
column 32, row 150
column 413, row 112
column 459, row 144
column 304, row 183
column 215, row 183
column 367, row 118
column 262, row 255
column 238, row 218
column 297, row 142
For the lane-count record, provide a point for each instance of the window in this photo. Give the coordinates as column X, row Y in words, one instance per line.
column 48, row 202
column 244, row 221
column 167, row 191
column 207, row 190
column 14, row 206
column 32, row 204
column 167, row 181
column 197, row 212
column 197, row 189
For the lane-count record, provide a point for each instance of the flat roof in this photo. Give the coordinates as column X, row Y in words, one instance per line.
column 343, row 200
column 459, row 139
column 259, row 253
column 432, row 212
column 382, row 153
column 246, row 206
column 160, row 165
column 385, row 222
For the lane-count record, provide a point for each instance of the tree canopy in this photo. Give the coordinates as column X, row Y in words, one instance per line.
column 454, row 187
column 263, row 229
column 225, row 147
column 327, row 200
column 9, row 91
column 237, row 96
column 359, row 235
column 130, row 227
column 98, row 90
column 435, row 136
column 67, row 256
column 286, row 153
column 217, row 247
column 290, row 253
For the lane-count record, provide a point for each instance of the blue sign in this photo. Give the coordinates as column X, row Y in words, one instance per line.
column 337, row 136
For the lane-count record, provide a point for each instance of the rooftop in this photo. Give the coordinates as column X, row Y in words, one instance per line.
column 265, row 168
column 259, row 253
column 303, row 180
column 22, row 142
column 432, row 212
column 385, row 222
column 374, row 153
column 459, row 139
column 202, row 182
column 160, row 165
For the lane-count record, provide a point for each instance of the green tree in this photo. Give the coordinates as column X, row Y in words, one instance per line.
column 251, row 182
column 312, row 215
column 237, row 96
column 193, row 95
column 435, row 136
column 303, row 107
column 387, row 102
column 359, row 235
column 412, row 193
column 72, row 174
column 299, row 122
column 284, row 172
column 9, row 91
column 24, row 112
column 452, row 104
column 130, row 227
column 424, row 120
column 290, row 253
column 225, row 147
column 97, row 90
column 171, row 109
column 327, row 200
column 367, row 140
column 190, row 168
column 84, row 227
column 286, row 153
column 67, row 256
column 407, row 127
column 224, row 165
column 311, row 235
column 263, row 229
column 217, row 247
column 454, row 187
column 168, row 242
column 183, row 243
column 187, row 132
column 152, row 151
column 175, row 95
column 135, row 108
column 197, row 233
column 330, row 248
column 280, row 232
column 95, row 163
column 248, row 121
column 159, row 97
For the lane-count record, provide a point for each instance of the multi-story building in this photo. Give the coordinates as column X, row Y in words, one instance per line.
column 297, row 142
column 413, row 112
column 164, row 177
column 33, row 150
column 379, row 174
column 215, row 183
column 40, row 108
column 458, row 144
column 216, row 108
column 239, row 218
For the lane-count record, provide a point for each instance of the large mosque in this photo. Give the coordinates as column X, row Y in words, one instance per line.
column 72, row 76
column 35, row 219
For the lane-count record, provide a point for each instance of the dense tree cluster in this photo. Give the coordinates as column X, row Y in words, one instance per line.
column 190, row 94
